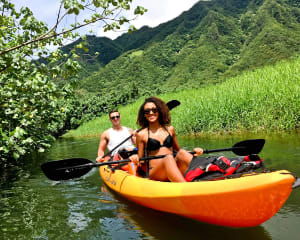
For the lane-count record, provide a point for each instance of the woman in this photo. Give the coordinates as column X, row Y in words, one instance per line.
column 158, row 137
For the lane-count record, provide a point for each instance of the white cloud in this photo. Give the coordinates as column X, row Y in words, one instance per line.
column 159, row 11
column 43, row 10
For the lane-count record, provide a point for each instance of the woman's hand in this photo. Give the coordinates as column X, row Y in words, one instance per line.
column 135, row 159
column 100, row 159
column 198, row 151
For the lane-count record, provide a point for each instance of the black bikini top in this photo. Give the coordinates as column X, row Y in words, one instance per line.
column 154, row 144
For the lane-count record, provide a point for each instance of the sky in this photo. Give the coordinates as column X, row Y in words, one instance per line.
column 159, row 11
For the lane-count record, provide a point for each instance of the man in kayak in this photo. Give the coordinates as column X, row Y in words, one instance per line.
column 111, row 137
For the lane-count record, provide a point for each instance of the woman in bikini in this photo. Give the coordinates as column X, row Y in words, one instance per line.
column 158, row 137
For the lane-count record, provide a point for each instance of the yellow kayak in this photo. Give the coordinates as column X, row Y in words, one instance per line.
column 238, row 202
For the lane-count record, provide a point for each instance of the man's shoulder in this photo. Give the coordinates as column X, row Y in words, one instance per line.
column 128, row 128
column 106, row 133
column 107, row 130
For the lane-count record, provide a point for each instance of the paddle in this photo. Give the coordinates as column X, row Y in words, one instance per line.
column 296, row 183
column 243, row 148
column 171, row 104
column 76, row 167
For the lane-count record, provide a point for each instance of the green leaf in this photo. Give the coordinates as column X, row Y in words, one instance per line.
column 16, row 155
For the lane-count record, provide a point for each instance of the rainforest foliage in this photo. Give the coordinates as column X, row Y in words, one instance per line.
column 36, row 96
column 213, row 41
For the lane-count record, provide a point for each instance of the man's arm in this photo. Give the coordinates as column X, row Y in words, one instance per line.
column 133, row 137
column 102, row 146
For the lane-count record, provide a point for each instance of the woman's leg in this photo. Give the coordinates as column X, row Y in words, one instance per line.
column 167, row 169
column 184, row 159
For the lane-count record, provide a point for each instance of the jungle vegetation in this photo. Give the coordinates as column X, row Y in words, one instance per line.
column 215, row 45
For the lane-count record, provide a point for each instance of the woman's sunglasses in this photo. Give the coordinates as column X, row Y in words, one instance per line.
column 149, row 110
column 115, row 117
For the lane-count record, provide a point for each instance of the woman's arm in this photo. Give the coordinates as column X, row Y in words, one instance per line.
column 140, row 145
column 176, row 145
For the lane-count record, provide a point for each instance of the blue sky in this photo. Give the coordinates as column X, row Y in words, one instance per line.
column 159, row 11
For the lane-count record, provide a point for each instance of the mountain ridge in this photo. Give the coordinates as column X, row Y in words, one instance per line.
column 204, row 45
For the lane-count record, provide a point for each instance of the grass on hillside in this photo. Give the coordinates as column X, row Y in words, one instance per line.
column 266, row 99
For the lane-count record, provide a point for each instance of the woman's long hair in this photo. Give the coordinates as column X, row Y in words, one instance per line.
column 163, row 110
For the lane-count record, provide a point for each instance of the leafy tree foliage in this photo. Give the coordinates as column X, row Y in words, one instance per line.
column 36, row 97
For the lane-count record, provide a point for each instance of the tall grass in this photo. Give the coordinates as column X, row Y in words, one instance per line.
column 266, row 99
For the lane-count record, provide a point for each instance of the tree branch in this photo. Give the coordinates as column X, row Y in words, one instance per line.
column 57, row 20
column 47, row 36
column 52, row 32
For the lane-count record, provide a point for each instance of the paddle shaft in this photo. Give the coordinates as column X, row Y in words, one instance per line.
column 221, row 149
column 205, row 151
column 125, row 140
column 98, row 164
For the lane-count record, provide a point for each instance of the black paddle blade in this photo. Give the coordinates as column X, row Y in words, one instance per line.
column 66, row 169
column 247, row 147
column 172, row 104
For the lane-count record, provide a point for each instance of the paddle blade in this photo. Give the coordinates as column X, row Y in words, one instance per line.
column 247, row 147
column 66, row 169
column 296, row 183
column 172, row 104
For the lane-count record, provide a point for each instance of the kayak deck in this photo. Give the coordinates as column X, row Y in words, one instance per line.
column 238, row 202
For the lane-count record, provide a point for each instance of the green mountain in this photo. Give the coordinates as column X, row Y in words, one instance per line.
column 210, row 42
column 89, row 59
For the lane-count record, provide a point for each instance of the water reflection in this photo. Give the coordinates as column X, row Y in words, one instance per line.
column 160, row 225
column 33, row 207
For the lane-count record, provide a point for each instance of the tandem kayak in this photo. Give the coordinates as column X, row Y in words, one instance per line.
column 246, row 201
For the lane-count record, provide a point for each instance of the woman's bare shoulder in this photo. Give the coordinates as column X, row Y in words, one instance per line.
column 171, row 128
column 142, row 133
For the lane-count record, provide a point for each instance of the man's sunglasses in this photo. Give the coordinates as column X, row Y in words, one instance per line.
column 115, row 117
column 149, row 110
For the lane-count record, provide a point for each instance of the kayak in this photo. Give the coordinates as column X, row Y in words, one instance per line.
column 245, row 201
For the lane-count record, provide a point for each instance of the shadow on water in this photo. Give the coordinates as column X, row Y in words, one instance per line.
column 160, row 225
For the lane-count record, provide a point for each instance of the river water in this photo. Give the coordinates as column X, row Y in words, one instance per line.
column 33, row 207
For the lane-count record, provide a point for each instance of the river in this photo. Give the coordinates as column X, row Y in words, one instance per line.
column 34, row 207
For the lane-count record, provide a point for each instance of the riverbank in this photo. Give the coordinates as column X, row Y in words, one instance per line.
column 263, row 100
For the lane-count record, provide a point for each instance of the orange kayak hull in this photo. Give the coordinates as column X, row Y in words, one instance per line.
column 246, row 201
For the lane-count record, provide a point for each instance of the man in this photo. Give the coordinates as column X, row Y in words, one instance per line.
column 113, row 136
